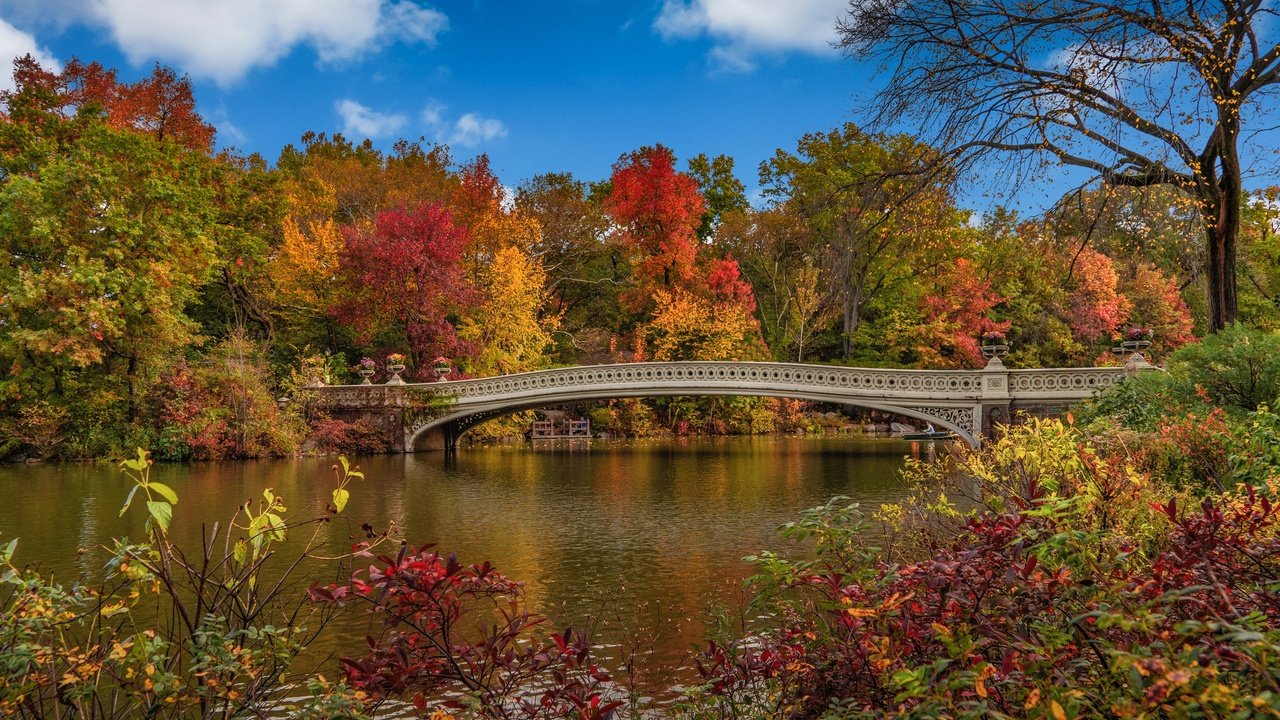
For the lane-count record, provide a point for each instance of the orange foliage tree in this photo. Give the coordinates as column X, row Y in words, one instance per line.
column 160, row 105
column 957, row 314
column 1095, row 306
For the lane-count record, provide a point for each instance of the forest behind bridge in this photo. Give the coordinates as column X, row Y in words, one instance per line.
column 160, row 293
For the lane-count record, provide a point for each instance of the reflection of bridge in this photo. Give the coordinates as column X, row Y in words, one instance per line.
column 967, row 402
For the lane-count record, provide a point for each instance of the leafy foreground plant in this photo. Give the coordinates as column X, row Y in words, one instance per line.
column 465, row 632
column 1056, row 599
column 216, row 633
column 166, row 633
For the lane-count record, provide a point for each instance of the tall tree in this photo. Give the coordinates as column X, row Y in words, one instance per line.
column 658, row 211
column 509, row 329
column 160, row 105
column 584, row 271
column 404, row 281
column 722, row 191
column 871, row 209
column 104, row 242
column 1140, row 94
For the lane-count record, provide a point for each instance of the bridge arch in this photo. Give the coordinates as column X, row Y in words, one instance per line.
column 459, row 421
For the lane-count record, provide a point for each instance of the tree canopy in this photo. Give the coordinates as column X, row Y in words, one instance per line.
column 1139, row 94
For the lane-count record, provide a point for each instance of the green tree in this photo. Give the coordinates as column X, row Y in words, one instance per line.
column 875, row 211
column 584, row 272
column 721, row 190
column 107, row 236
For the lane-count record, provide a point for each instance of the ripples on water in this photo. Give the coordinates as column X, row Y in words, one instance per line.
column 636, row 540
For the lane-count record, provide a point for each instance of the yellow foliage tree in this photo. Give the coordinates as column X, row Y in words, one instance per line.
column 686, row 326
column 305, row 265
column 510, row 329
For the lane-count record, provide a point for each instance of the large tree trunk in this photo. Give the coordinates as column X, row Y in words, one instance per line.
column 1222, row 225
column 1221, row 236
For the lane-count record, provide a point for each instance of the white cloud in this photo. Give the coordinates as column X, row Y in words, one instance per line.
column 224, row 39
column 741, row 28
column 359, row 121
column 414, row 23
column 433, row 116
column 470, row 130
column 15, row 43
column 228, row 132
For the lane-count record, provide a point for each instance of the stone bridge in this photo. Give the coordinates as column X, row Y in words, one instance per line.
column 432, row 416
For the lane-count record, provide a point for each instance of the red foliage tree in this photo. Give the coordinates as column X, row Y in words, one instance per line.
column 1158, row 305
column 726, row 285
column 161, row 104
column 404, row 278
column 658, row 211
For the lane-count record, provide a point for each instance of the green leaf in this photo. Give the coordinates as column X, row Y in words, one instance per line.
column 129, row 499
column 139, row 464
column 340, row 497
column 165, row 491
column 162, row 512
column 7, row 553
column 240, row 551
column 275, row 525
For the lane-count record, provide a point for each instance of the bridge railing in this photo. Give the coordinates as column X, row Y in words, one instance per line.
column 998, row 383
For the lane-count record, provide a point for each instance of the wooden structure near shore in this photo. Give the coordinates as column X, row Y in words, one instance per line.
column 555, row 430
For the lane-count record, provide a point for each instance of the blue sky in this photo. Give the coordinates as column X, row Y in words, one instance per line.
column 557, row 86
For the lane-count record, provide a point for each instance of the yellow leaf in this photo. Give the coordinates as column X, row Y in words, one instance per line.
column 1056, row 710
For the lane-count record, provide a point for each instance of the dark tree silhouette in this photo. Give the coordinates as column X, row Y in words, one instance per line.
column 1140, row 93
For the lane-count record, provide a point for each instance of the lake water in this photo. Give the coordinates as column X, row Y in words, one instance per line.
column 638, row 539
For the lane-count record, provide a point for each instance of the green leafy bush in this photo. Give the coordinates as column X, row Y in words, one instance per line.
column 1238, row 366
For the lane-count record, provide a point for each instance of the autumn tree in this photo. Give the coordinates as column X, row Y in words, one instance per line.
column 1136, row 94
column 657, row 211
column 403, row 281
column 873, row 208
column 1157, row 304
column 107, row 237
column 690, row 326
column 360, row 180
column 1095, row 307
column 957, row 312
column 584, row 272
column 509, row 328
column 776, row 252
column 480, row 204
column 160, row 105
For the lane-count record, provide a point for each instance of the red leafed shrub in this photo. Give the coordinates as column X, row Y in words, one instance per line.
column 465, row 628
column 1200, row 444
column 361, row 437
column 1036, row 609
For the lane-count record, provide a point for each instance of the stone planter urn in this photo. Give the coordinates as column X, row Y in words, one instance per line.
column 442, row 368
column 365, row 373
column 395, row 366
column 994, row 351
